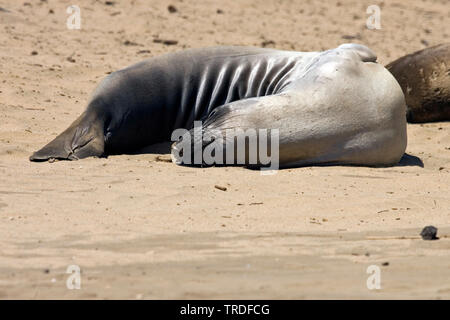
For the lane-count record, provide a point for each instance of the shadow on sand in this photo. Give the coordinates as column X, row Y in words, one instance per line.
column 158, row 148
column 407, row 160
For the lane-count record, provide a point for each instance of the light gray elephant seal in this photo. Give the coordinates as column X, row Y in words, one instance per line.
column 425, row 80
column 336, row 106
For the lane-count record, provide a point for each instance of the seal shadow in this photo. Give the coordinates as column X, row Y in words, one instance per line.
column 157, row 148
column 409, row 160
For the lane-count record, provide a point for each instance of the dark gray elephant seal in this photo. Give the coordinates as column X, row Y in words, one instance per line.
column 425, row 80
column 337, row 106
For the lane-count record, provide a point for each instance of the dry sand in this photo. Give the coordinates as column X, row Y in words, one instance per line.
column 140, row 227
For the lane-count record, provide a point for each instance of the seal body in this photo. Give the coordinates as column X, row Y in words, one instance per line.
column 336, row 106
column 425, row 80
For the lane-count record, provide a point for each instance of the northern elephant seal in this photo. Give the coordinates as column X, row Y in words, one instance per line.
column 425, row 80
column 336, row 106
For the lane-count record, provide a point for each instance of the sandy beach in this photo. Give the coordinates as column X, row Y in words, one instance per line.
column 140, row 227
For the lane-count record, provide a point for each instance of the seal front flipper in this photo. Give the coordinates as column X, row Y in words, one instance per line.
column 84, row 138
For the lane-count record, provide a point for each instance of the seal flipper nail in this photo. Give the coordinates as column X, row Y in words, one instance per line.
column 84, row 138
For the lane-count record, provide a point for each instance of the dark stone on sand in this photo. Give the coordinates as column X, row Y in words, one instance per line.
column 172, row 9
column 429, row 233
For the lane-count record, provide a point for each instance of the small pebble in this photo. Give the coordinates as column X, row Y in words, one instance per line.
column 166, row 42
column 163, row 159
column 172, row 9
column 429, row 233
column 130, row 43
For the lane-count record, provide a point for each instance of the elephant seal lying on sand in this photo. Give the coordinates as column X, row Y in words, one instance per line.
column 337, row 106
column 425, row 80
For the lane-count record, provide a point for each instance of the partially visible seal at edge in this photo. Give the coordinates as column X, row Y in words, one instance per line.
column 425, row 80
